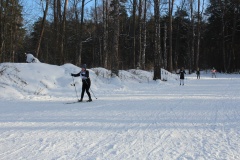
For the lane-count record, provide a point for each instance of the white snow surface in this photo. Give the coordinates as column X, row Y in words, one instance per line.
column 133, row 117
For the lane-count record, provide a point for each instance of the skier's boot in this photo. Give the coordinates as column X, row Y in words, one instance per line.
column 80, row 100
column 90, row 100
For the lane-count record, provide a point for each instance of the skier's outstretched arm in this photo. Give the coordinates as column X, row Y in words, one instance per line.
column 75, row 75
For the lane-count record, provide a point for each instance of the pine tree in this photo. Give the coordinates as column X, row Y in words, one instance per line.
column 11, row 30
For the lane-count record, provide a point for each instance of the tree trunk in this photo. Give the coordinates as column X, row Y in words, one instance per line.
column 192, row 37
column 139, row 34
column 11, row 35
column 235, row 18
column 176, row 54
column 115, row 62
column 75, row 4
column 189, row 48
column 157, row 46
column 222, row 6
column 10, row 29
column 80, row 35
column 177, row 42
column 63, row 32
column 96, row 56
column 42, row 28
column 165, row 46
column 134, row 32
column 5, row 32
column 198, row 37
column 1, row 30
column 57, row 16
column 105, row 33
column 170, row 9
column 144, row 35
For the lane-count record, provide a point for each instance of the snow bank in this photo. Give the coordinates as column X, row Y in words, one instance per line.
column 28, row 80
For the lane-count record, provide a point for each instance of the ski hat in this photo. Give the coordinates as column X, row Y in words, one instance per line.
column 84, row 66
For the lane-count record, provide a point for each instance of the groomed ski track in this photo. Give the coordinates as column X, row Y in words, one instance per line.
column 198, row 121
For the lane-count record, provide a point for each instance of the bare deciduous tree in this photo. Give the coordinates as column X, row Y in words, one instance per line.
column 157, row 42
column 139, row 34
column 79, row 61
column 105, row 33
column 45, row 11
column 115, row 62
column 170, row 11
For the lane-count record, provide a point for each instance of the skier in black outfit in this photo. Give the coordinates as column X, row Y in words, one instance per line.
column 198, row 73
column 182, row 72
column 86, row 82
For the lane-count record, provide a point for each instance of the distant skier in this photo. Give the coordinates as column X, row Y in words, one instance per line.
column 198, row 73
column 181, row 72
column 86, row 82
column 213, row 72
column 30, row 58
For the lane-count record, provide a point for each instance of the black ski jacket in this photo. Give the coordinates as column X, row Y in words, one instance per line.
column 85, row 75
column 182, row 72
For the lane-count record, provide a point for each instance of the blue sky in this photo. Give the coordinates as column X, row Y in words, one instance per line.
column 31, row 11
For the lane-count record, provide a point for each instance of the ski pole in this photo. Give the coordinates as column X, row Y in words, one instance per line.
column 90, row 89
column 75, row 87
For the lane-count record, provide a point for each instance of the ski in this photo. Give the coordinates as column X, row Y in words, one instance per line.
column 77, row 102
column 72, row 102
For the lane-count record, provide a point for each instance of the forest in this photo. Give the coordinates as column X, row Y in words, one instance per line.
column 126, row 34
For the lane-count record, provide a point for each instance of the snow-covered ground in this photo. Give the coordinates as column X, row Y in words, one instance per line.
column 133, row 118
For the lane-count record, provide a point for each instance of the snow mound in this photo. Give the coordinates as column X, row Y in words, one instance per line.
column 22, row 80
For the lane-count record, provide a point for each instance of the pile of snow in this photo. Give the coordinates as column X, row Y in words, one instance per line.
column 35, row 80
column 32, row 79
column 28, row 80
column 168, row 76
column 31, row 59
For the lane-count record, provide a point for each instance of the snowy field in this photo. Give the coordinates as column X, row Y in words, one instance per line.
column 133, row 118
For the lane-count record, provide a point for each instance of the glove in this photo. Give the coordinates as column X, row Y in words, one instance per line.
column 71, row 74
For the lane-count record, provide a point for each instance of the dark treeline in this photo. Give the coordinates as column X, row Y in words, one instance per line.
column 120, row 34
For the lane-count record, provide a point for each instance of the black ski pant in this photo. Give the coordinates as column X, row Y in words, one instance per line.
column 85, row 87
column 198, row 76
